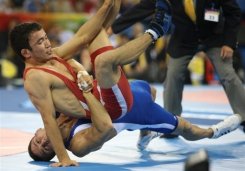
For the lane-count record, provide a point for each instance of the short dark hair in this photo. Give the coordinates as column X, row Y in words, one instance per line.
column 19, row 36
column 39, row 158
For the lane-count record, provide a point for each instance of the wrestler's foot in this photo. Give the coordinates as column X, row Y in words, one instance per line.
column 161, row 22
column 163, row 15
column 163, row 5
column 145, row 137
column 227, row 125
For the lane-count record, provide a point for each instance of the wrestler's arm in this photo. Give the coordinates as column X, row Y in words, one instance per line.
column 86, row 32
column 94, row 137
column 38, row 88
column 81, row 72
column 76, row 66
column 113, row 14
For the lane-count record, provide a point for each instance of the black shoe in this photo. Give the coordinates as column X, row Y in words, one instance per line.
column 169, row 136
column 243, row 125
column 199, row 161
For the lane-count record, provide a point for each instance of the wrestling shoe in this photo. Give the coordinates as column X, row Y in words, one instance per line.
column 243, row 125
column 161, row 22
column 145, row 137
column 227, row 125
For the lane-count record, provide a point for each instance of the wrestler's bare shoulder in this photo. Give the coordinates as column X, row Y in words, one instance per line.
column 34, row 79
column 38, row 83
column 42, row 77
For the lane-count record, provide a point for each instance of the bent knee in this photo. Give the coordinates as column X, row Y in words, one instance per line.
column 100, row 62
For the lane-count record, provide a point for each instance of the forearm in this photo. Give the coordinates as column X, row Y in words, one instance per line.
column 112, row 14
column 95, row 23
column 56, row 140
column 85, row 34
column 100, row 131
column 99, row 116
column 76, row 66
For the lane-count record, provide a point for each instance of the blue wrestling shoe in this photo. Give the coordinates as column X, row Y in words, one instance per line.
column 163, row 5
column 163, row 15
column 161, row 22
column 227, row 125
column 145, row 137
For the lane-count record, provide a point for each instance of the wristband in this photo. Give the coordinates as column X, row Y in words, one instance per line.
column 152, row 33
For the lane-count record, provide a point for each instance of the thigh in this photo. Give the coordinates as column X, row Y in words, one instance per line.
column 117, row 99
column 223, row 67
column 177, row 67
column 102, row 56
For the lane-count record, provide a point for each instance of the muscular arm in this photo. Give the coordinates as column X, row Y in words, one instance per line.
column 76, row 66
column 101, row 130
column 38, row 88
column 86, row 33
column 112, row 15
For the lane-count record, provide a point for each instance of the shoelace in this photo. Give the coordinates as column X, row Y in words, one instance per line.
column 159, row 16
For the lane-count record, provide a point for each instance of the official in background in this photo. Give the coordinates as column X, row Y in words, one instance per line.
column 210, row 26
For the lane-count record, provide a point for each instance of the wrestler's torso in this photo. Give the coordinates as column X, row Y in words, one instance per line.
column 63, row 99
column 65, row 124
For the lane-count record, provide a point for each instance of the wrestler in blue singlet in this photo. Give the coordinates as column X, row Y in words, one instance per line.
column 145, row 114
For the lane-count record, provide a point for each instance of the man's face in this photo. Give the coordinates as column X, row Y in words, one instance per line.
column 41, row 46
column 40, row 145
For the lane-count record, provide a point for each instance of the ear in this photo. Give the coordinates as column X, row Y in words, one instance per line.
column 26, row 53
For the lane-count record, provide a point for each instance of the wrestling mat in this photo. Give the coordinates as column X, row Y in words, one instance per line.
column 203, row 105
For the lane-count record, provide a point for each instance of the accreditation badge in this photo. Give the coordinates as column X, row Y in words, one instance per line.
column 211, row 15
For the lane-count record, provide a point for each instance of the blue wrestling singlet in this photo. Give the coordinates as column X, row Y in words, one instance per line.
column 145, row 114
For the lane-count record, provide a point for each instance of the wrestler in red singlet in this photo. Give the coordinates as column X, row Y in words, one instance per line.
column 117, row 100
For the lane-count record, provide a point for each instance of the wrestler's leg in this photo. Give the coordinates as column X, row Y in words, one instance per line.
column 192, row 132
column 106, row 64
column 182, row 127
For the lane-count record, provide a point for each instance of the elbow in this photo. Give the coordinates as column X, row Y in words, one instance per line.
column 108, row 127
column 109, row 131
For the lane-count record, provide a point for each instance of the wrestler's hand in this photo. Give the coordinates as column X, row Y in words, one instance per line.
column 226, row 52
column 66, row 163
column 84, row 81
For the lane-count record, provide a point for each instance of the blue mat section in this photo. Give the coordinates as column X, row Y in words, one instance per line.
column 15, row 100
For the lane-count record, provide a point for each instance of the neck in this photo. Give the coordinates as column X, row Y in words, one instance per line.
column 33, row 62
